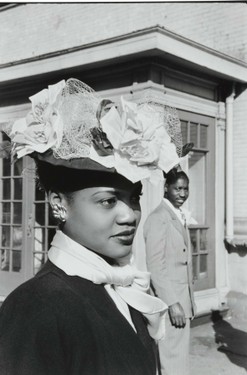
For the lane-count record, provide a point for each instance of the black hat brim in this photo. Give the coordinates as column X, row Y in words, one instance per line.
column 85, row 164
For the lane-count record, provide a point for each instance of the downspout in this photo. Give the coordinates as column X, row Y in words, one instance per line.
column 229, row 166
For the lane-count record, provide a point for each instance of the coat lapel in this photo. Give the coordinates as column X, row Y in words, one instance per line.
column 177, row 223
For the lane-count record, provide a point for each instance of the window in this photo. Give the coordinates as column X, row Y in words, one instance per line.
column 43, row 229
column 26, row 226
column 11, row 216
column 11, row 219
column 200, row 130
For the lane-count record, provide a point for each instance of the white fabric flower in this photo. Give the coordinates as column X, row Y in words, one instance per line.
column 142, row 146
column 42, row 129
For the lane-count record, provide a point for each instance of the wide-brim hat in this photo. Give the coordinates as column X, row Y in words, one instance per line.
column 71, row 126
column 83, row 164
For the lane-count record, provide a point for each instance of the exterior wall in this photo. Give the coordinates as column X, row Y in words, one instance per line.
column 238, row 260
column 240, row 160
column 237, row 272
column 43, row 28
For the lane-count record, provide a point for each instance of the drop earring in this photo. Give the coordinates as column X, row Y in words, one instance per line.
column 59, row 212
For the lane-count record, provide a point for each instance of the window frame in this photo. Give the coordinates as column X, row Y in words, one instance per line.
column 203, row 281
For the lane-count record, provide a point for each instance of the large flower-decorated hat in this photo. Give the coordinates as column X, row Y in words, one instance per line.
column 71, row 126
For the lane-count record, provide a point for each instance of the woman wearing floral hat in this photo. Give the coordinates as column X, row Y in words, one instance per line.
column 87, row 311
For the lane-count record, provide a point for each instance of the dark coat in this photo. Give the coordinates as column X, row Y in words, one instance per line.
column 55, row 324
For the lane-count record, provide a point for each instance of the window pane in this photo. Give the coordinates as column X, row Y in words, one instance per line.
column 6, row 188
column 39, row 195
column 16, row 261
column 4, row 260
column 203, row 136
column 194, row 267
column 18, row 167
column 17, row 219
column 6, row 167
column 203, row 239
column 184, row 131
column 197, row 198
column 193, row 240
column 40, row 213
column 6, row 236
column 17, row 237
column 39, row 239
column 193, row 133
column 203, row 263
column 17, row 188
column 6, row 213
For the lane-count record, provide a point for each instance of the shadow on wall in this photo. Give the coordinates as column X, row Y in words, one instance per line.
column 231, row 341
column 236, row 246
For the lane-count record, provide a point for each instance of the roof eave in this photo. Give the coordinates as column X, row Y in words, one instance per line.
column 144, row 42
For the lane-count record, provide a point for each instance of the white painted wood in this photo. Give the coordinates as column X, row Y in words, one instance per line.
column 229, row 167
column 145, row 41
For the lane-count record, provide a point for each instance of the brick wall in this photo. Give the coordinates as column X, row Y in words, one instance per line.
column 33, row 29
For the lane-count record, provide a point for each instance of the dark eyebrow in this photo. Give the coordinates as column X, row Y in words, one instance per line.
column 110, row 191
column 116, row 191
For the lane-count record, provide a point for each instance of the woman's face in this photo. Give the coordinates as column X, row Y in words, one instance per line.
column 104, row 219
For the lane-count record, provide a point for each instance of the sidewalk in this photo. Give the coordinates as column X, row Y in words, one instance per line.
column 220, row 347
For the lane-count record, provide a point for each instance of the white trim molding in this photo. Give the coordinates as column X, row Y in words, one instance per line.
column 134, row 92
column 163, row 95
column 152, row 41
column 210, row 300
column 14, row 112
column 221, row 256
column 229, row 167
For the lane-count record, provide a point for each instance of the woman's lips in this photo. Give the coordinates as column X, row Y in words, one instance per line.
column 125, row 237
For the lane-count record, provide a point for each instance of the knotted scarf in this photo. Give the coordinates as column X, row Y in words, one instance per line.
column 128, row 282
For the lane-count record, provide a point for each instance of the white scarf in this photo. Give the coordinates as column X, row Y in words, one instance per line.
column 128, row 282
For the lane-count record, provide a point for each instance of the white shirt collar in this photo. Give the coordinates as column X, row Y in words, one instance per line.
column 177, row 211
column 180, row 212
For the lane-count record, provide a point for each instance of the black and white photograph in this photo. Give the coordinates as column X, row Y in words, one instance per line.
column 123, row 204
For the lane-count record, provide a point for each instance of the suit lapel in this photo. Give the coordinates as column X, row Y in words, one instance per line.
column 176, row 222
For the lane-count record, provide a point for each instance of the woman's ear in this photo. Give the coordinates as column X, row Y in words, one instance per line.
column 53, row 198
column 59, row 207
column 56, row 198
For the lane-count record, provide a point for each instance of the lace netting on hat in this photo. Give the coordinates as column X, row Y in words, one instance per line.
column 173, row 127
column 79, row 104
column 166, row 114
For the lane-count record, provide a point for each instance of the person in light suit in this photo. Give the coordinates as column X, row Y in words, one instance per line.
column 168, row 256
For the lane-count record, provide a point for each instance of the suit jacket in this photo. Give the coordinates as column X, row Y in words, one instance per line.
column 55, row 324
column 168, row 256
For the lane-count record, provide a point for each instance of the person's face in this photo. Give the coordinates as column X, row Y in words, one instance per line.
column 178, row 192
column 105, row 219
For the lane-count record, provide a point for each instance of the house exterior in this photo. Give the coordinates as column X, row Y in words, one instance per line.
column 192, row 56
